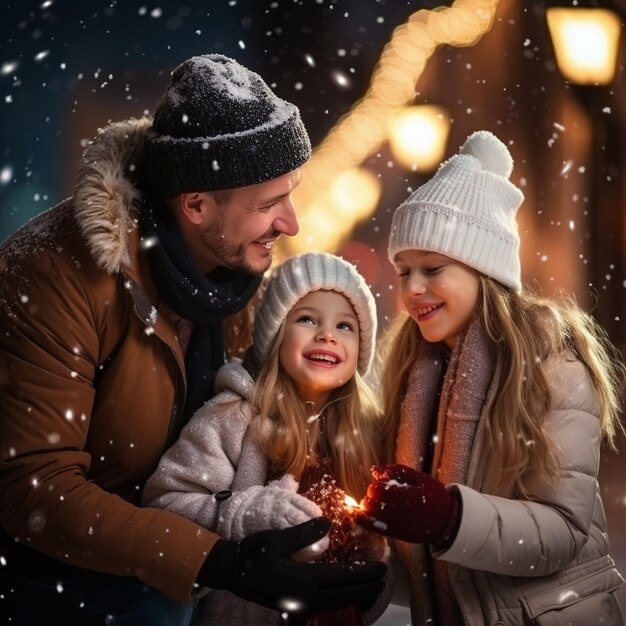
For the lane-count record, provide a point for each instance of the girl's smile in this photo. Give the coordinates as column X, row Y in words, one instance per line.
column 426, row 311
column 323, row 358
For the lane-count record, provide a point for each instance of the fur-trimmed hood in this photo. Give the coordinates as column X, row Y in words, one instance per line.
column 235, row 378
column 105, row 194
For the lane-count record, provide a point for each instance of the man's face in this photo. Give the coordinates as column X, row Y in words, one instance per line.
column 240, row 233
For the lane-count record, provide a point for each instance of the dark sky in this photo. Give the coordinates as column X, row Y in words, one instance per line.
column 60, row 57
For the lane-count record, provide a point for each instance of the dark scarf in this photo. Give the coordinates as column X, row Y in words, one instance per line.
column 202, row 299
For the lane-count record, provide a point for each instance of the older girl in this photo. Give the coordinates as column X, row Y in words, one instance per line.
column 496, row 403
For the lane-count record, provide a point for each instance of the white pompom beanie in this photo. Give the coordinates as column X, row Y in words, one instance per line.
column 466, row 211
column 307, row 272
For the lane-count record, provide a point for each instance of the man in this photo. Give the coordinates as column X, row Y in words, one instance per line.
column 111, row 309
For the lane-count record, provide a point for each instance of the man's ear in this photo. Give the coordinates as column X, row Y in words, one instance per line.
column 195, row 206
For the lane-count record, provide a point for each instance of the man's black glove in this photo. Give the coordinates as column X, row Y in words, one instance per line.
column 259, row 569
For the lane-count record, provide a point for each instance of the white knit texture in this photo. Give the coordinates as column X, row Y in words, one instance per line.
column 263, row 507
column 467, row 212
column 302, row 274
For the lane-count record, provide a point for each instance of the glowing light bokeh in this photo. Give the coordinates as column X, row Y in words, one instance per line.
column 418, row 136
column 365, row 128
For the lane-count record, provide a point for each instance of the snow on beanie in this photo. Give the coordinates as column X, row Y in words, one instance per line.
column 219, row 126
column 307, row 272
column 466, row 211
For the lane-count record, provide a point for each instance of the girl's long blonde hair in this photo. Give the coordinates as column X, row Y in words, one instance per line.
column 525, row 329
column 344, row 433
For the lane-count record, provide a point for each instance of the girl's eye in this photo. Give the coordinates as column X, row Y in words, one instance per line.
column 433, row 269
column 345, row 326
column 305, row 319
column 402, row 273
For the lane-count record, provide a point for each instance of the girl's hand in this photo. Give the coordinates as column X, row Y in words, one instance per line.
column 276, row 505
column 409, row 505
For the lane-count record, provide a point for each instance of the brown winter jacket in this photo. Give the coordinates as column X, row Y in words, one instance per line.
column 73, row 290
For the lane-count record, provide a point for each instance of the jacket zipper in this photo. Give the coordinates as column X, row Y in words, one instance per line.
column 144, row 310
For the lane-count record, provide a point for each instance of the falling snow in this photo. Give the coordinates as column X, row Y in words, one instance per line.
column 56, row 65
column 6, row 174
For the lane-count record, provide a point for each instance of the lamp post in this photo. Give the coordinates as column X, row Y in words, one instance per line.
column 586, row 40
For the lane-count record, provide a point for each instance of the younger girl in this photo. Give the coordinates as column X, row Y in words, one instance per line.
column 298, row 410
column 495, row 401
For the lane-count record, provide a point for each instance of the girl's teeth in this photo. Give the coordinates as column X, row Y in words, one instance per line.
column 427, row 309
column 321, row 357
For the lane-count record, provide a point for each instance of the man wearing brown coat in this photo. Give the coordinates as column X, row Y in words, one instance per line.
column 111, row 310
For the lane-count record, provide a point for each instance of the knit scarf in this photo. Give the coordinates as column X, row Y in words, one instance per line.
column 202, row 299
column 457, row 410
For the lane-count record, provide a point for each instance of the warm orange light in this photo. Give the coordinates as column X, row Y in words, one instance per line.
column 355, row 193
column 585, row 42
column 319, row 229
column 351, row 196
column 418, row 136
column 364, row 129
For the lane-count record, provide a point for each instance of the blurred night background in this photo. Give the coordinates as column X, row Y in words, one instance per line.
column 380, row 84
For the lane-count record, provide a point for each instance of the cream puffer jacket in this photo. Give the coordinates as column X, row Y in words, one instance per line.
column 543, row 560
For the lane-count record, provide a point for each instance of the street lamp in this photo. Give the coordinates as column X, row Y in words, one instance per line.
column 418, row 136
column 585, row 42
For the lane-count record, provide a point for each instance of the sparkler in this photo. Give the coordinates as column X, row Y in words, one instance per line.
column 350, row 502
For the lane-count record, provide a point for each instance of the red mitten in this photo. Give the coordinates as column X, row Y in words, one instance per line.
column 409, row 505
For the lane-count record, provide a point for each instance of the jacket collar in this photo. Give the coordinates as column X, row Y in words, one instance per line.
column 106, row 196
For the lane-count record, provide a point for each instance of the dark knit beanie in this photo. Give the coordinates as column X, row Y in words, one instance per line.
column 219, row 126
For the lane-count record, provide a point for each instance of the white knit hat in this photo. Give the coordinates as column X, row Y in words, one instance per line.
column 466, row 211
column 312, row 271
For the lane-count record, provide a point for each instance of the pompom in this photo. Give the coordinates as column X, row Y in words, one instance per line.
column 490, row 151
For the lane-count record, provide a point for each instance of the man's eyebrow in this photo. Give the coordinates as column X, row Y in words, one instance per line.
column 273, row 199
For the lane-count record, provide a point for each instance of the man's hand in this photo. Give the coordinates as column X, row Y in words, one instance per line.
column 409, row 505
column 259, row 569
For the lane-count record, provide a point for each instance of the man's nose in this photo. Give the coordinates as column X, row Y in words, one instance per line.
column 286, row 221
